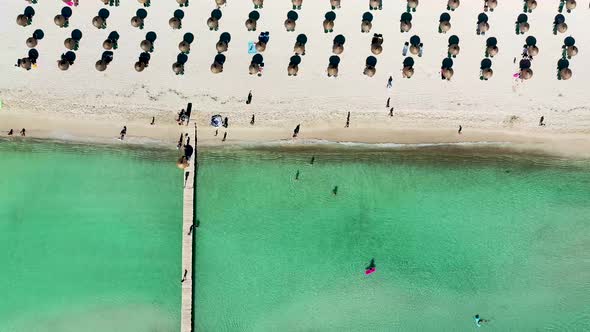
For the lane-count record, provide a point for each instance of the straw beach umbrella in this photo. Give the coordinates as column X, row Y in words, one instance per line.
column 412, row 5
column 338, row 44
column 375, row 4
column 453, row 4
column 185, row 45
column 34, row 39
column 454, row 48
column 213, row 20
column 482, row 24
column 328, row 23
column 258, row 4
column 176, row 21
column 100, row 21
column 112, row 41
column 26, row 18
column 62, row 20
column 335, row 4
column 297, row 4
column 559, row 24
column 405, row 24
column 444, row 24
column 299, row 48
column 370, row 66
column 217, row 66
column 290, row 22
column 486, row 71
column 138, row 20
column 293, row 67
column 222, row 44
column 220, row 3
column 366, row 24
column 491, row 47
column 333, row 63
column 490, row 5
column 408, row 67
column 529, row 6
column 376, row 43
column 252, row 19
column 73, row 43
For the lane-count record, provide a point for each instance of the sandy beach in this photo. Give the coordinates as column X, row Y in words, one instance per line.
column 87, row 105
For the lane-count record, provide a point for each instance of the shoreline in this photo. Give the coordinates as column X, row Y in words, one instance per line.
column 362, row 135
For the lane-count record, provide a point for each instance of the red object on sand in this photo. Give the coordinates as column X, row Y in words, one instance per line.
column 369, row 271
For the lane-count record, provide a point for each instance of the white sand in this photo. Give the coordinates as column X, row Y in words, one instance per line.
column 83, row 103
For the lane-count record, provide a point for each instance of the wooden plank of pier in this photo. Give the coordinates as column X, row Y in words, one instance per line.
column 186, row 314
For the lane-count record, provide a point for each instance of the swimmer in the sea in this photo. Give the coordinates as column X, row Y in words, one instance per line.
column 297, row 175
column 335, row 191
column 479, row 320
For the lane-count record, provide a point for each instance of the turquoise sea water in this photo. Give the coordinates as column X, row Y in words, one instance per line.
column 453, row 233
column 89, row 238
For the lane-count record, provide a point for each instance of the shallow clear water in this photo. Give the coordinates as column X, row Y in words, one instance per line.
column 89, row 238
column 453, row 233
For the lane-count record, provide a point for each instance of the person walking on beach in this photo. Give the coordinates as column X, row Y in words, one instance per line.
column 390, row 82
column 297, row 175
column 153, row 120
column 391, row 112
column 252, row 120
column 296, row 131
column 224, row 136
column 460, row 129
column 405, row 49
column 23, row 132
column 542, row 121
column 225, row 122
column 387, row 104
column 10, row 132
column 347, row 121
column 123, row 133
column 421, row 50
column 249, row 99
column 216, row 132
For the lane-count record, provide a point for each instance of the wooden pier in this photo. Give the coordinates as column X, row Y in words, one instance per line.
column 188, row 233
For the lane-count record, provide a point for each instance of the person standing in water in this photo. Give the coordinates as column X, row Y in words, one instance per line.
column 10, row 132
column 347, row 121
column 296, row 131
column 123, row 133
column 335, row 191
column 23, row 132
column 297, row 175
column 542, row 121
column 460, row 129
column 153, row 120
column 249, row 99
column 390, row 82
column 252, row 120
column 312, row 160
column 387, row 104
